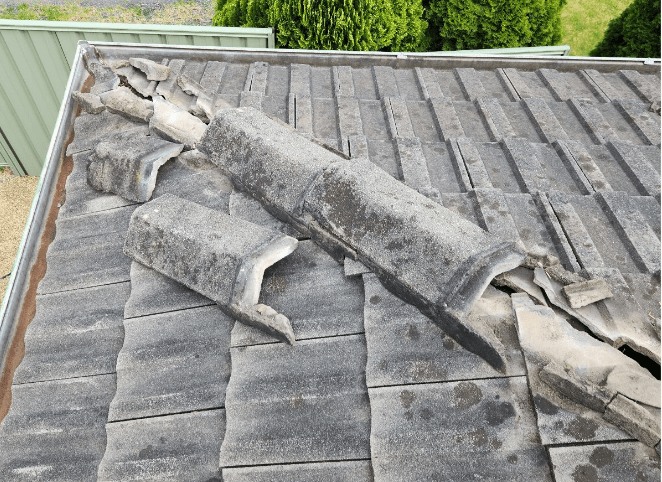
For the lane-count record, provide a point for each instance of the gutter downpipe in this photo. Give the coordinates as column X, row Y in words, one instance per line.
column 27, row 251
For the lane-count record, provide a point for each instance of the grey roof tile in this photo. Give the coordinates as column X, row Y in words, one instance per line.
column 405, row 347
column 311, row 289
column 55, row 429
column 610, row 461
column 65, row 341
column 276, row 398
column 353, row 471
column 153, row 293
column 87, row 251
column 306, row 403
column 173, row 447
column 488, row 426
column 172, row 362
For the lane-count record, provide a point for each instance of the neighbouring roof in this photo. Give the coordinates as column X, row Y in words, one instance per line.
column 128, row 375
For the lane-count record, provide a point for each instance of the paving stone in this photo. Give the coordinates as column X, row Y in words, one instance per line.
column 609, row 461
column 55, row 430
column 127, row 164
column 306, row 403
column 124, row 102
column 152, row 70
column 404, row 346
column 63, row 341
column 175, row 447
column 488, row 431
column 87, row 252
column 172, row 362
column 353, row 471
column 90, row 103
column 634, row 419
column 90, row 129
column 175, row 124
column 220, row 257
column 311, row 289
column 586, row 292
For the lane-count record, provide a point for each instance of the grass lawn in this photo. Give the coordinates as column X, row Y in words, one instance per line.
column 179, row 13
column 585, row 21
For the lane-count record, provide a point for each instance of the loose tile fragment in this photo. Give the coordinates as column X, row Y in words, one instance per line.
column 176, row 124
column 558, row 273
column 104, row 78
column 575, row 387
column 90, row 103
column 422, row 251
column 219, row 256
column 634, row 419
column 124, row 102
column 521, row 279
column 152, row 70
column 617, row 320
column 587, row 292
column 545, row 339
column 126, row 163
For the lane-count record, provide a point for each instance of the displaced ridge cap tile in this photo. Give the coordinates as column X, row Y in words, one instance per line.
column 634, row 419
column 305, row 185
column 176, row 124
column 126, row 163
column 217, row 255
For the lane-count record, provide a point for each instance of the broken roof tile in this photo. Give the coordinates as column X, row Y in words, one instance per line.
column 311, row 286
column 127, row 163
column 176, row 124
column 152, row 70
column 124, row 102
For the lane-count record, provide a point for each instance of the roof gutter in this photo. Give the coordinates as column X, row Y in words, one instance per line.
column 27, row 251
column 19, row 280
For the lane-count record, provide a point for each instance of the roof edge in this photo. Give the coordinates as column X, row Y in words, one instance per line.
column 32, row 233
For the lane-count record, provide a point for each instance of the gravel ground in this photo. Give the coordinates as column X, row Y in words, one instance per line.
column 16, row 195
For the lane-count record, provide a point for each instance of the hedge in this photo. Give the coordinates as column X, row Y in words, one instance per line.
column 634, row 33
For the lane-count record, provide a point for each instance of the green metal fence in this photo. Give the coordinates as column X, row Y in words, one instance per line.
column 35, row 61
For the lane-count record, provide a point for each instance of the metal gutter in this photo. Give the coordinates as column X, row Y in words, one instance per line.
column 553, row 50
column 393, row 59
column 18, row 282
column 27, row 251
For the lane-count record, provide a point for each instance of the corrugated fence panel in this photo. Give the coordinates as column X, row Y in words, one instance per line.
column 36, row 58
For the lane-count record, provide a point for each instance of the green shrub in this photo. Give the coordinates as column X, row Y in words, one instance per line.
column 634, row 33
column 331, row 24
column 485, row 24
